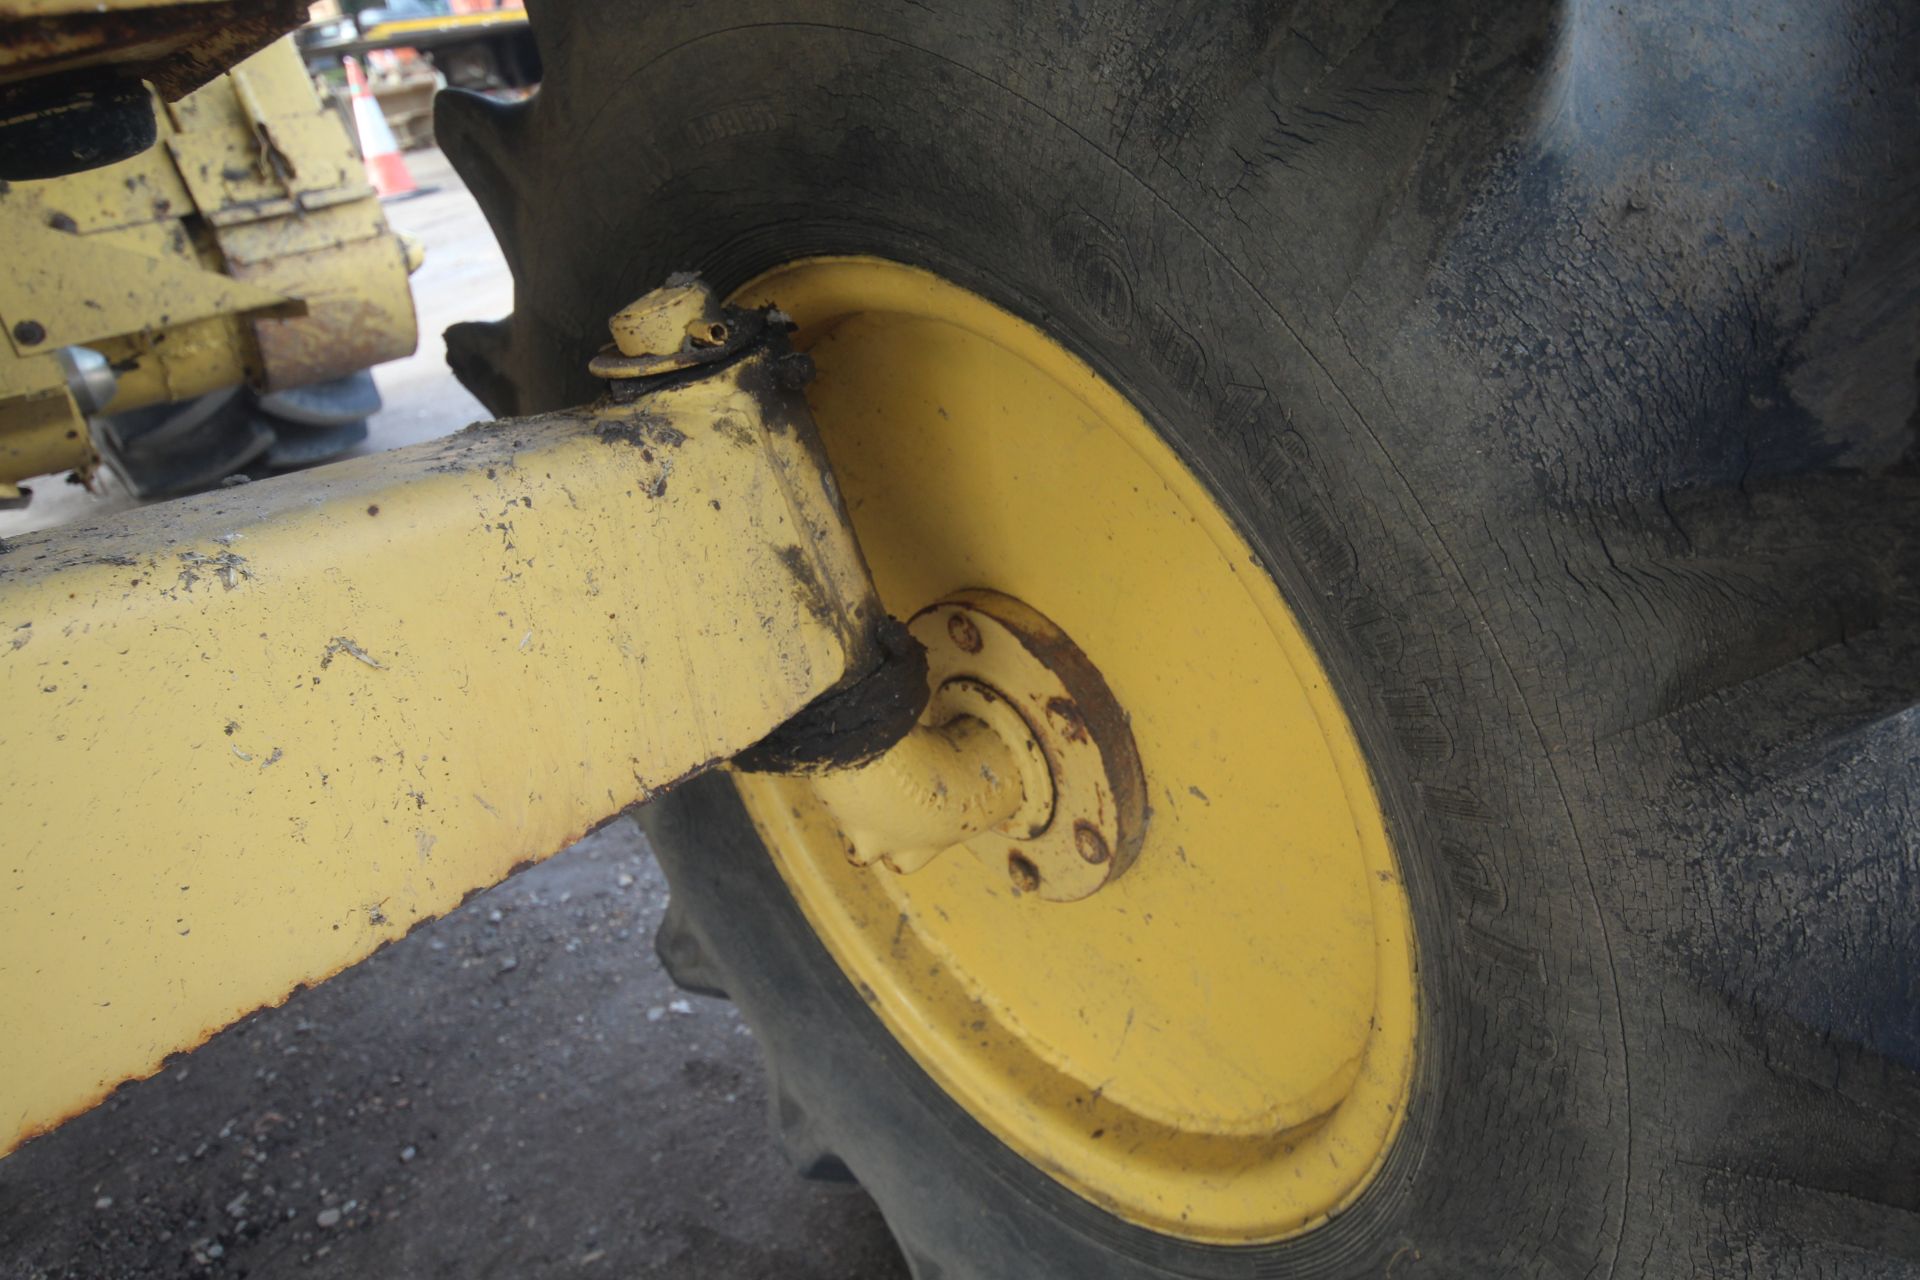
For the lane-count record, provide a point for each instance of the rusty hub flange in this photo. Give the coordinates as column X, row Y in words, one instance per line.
column 982, row 646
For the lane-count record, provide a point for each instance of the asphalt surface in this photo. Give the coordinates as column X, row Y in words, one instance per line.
column 514, row 1091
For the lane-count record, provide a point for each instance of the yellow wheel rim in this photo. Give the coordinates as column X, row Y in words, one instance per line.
column 1217, row 1045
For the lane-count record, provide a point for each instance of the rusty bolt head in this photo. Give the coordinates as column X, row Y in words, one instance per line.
column 29, row 333
column 1020, row 869
column 1091, row 844
column 960, row 627
column 665, row 321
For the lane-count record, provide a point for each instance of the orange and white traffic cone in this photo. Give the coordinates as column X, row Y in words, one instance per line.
column 385, row 169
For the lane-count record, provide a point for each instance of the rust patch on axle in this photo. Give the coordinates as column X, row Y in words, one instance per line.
column 336, row 337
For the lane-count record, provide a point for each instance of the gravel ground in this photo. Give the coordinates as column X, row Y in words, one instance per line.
column 514, row 1091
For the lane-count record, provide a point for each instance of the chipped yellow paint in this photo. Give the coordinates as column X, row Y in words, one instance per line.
column 246, row 738
column 1219, row 1043
column 78, row 290
column 47, row 433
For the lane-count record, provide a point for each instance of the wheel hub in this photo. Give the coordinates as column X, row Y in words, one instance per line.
column 1210, row 1031
column 1023, row 756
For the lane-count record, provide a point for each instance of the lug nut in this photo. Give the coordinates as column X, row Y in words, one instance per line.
column 1091, row 844
column 1025, row 876
column 964, row 633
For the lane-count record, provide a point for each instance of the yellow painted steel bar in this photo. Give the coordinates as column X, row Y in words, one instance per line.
column 247, row 738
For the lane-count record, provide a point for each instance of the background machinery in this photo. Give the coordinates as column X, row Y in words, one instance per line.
column 208, row 305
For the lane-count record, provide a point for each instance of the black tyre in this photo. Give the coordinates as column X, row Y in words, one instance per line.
column 1560, row 365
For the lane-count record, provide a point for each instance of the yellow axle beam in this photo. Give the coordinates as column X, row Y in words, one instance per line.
column 247, row 738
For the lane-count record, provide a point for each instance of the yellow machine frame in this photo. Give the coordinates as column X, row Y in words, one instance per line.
column 335, row 704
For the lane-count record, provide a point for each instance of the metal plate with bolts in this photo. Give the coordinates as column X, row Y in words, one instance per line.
column 982, row 645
